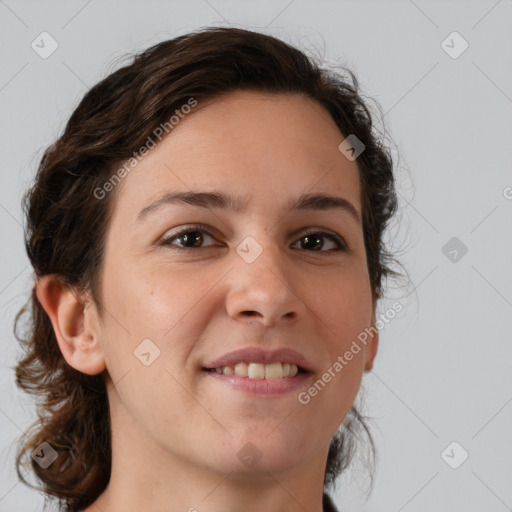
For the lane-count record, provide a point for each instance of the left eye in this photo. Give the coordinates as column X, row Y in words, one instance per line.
column 315, row 239
column 193, row 238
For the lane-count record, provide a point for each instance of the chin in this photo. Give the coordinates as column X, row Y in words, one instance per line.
column 260, row 455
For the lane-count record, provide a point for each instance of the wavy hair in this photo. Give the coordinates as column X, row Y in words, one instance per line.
column 65, row 224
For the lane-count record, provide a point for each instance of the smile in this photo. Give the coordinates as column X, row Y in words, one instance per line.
column 264, row 380
column 260, row 371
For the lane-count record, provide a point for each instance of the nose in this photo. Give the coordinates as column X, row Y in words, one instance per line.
column 264, row 290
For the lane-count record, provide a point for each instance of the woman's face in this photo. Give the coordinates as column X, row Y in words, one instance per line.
column 265, row 276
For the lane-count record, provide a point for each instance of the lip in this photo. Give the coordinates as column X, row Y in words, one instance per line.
column 263, row 387
column 258, row 355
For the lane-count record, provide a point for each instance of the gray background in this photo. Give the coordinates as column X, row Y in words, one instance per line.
column 443, row 369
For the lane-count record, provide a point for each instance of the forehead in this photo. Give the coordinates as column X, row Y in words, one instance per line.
column 267, row 148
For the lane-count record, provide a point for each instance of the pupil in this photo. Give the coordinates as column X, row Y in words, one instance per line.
column 316, row 242
column 191, row 238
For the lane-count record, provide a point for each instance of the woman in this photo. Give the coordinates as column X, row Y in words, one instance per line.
column 206, row 237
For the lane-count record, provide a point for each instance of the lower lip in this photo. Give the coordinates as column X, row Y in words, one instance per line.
column 263, row 387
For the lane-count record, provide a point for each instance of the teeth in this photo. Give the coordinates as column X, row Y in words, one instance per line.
column 273, row 371
column 241, row 370
column 260, row 371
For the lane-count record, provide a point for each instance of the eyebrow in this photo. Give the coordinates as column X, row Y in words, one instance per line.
column 214, row 199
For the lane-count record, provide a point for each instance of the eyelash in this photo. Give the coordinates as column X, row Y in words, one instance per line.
column 342, row 246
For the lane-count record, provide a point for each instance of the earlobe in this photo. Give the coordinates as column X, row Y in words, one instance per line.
column 371, row 347
column 373, row 343
column 76, row 333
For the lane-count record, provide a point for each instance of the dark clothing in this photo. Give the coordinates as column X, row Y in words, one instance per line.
column 328, row 505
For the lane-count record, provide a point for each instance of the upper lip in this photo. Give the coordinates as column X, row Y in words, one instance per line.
column 258, row 355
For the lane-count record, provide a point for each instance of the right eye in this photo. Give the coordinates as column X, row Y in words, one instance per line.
column 189, row 238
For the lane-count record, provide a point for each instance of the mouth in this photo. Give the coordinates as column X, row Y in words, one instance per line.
column 259, row 371
column 262, row 380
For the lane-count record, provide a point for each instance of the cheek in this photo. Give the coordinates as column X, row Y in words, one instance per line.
column 343, row 314
column 343, row 309
column 150, row 329
column 167, row 308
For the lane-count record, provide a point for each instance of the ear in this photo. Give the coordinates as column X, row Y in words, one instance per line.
column 74, row 325
column 373, row 342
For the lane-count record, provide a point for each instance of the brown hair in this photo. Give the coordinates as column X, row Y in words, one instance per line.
column 66, row 222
